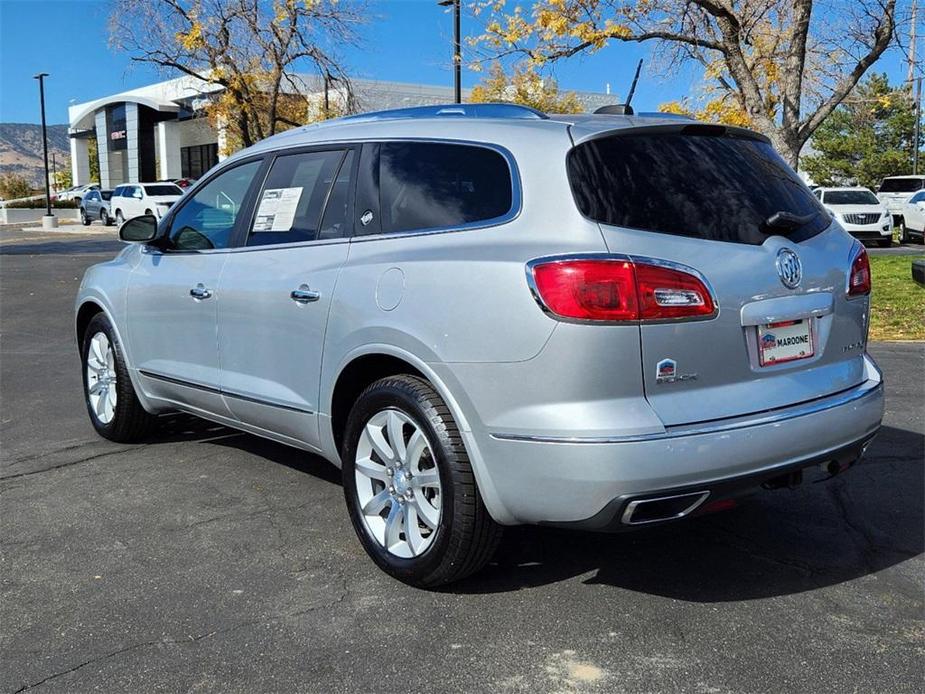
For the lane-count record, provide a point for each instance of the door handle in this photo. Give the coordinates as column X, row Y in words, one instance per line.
column 200, row 292
column 304, row 295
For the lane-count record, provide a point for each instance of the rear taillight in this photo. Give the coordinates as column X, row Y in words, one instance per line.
column 859, row 278
column 616, row 289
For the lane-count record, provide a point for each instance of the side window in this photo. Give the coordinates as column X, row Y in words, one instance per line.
column 136, row 192
column 918, row 197
column 426, row 185
column 207, row 219
column 117, row 192
column 818, row 194
column 334, row 223
column 290, row 205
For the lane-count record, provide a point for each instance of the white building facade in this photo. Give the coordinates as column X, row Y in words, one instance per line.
column 158, row 132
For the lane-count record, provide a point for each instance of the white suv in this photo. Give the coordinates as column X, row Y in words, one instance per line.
column 135, row 199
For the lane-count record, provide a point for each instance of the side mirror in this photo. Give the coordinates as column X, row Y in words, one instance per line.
column 139, row 229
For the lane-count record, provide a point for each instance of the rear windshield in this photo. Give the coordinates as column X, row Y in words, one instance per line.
column 166, row 189
column 107, row 194
column 850, row 197
column 900, row 185
column 699, row 184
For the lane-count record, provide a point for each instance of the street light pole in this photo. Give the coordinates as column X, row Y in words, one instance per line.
column 41, row 78
column 457, row 48
column 918, row 122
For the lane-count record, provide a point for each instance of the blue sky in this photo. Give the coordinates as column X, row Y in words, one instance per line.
column 406, row 40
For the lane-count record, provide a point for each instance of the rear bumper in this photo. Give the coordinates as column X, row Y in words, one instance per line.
column 589, row 481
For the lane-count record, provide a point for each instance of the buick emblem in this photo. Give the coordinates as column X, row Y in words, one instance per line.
column 789, row 268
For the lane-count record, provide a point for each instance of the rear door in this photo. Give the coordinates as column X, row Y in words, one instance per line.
column 276, row 292
column 702, row 198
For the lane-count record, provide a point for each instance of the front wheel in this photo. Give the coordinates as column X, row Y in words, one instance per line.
column 104, row 218
column 409, row 486
column 114, row 409
column 120, row 220
column 84, row 219
column 904, row 232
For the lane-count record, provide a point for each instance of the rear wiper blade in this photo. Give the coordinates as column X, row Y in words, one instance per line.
column 786, row 221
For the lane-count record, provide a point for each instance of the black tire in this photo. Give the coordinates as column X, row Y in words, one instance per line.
column 903, row 232
column 130, row 423
column 84, row 219
column 466, row 535
column 120, row 220
column 104, row 218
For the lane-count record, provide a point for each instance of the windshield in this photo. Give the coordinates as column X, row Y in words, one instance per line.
column 691, row 183
column 850, row 197
column 164, row 189
column 900, row 185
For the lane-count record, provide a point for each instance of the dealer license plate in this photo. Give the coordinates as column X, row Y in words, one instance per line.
column 785, row 341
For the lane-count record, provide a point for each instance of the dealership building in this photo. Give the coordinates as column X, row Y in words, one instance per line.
column 160, row 132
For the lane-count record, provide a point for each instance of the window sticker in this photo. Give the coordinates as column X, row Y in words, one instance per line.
column 277, row 209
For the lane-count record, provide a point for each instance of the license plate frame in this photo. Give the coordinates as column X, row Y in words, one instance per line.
column 800, row 330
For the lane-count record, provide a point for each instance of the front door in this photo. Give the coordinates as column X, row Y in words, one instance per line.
column 173, row 295
column 276, row 293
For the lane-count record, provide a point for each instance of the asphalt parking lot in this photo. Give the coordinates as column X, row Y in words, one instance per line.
column 208, row 560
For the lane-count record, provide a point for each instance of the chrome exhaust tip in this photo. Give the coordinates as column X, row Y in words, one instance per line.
column 663, row 508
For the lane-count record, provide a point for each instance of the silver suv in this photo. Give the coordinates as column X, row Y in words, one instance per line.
column 488, row 316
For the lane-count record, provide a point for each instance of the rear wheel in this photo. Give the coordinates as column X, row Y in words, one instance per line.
column 114, row 409
column 120, row 220
column 104, row 218
column 84, row 219
column 409, row 486
column 904, row 232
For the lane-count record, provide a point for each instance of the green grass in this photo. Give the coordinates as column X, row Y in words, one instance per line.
column 897, row 307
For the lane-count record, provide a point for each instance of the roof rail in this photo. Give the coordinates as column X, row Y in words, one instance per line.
column 513, row 111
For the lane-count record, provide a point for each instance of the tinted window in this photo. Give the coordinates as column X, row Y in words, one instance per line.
column 206, row 220
column 851, row 197
column 918, row 197
column 118, row 191
column 107, row 194
column 900, row 185
column 90, row 196
column 334, row 224
column 426, row 185
column 293, row 197
column 164, row 189
column 695, row 184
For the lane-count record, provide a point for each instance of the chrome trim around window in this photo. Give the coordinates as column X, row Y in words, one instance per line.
column 867, row 389
column 618, row 257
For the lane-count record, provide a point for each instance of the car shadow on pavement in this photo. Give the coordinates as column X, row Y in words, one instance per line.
column 775, row 543
column 77, row 246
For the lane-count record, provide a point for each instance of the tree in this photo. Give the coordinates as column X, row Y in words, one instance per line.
column 13, row 186
column 783, row 67
column 524, row 86
column 249, row 49
column 63, row 178
column 866, row 138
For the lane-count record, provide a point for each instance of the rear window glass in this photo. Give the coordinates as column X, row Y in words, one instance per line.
column 107, row 194
column 901, row 185
column 850, row 197
column 692, row 184
column 433, row 185
column 167, row 189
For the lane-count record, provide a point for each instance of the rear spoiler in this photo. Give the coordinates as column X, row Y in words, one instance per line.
column 580, row 133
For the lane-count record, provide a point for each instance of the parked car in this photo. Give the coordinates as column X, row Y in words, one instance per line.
column 95, row 205
column 488, row 316
column 912, row 221
column 894, row 191
column 859, row 212
column 76, row 193
column 134, row 199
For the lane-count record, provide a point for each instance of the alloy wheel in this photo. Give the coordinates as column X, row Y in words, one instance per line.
column 101, row 378
column 398, row 484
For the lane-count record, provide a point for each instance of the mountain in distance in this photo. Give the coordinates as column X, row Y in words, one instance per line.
column 21, row 150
